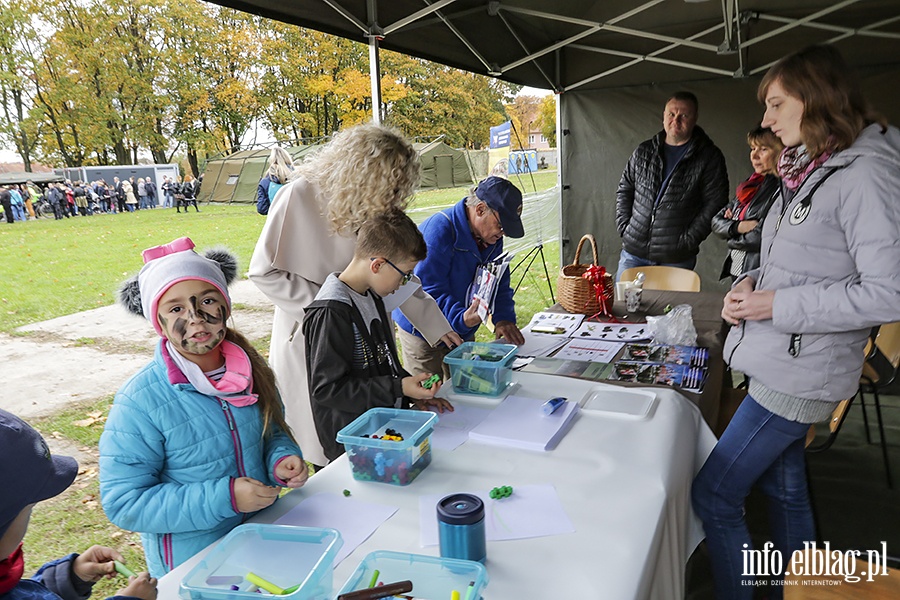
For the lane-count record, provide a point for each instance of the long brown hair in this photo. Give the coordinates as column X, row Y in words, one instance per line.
column 263, row 385
column 834, row 108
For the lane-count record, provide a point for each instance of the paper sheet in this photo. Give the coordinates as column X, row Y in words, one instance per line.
column 401, row 295
column 531, row 511
column 613, row 332
column 563, row 323
column 592, row 350
column 519, row 422
column 453, row 428
column 538, row 344
column 355, row 519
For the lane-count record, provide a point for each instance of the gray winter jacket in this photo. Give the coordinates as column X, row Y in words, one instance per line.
column 834, row 261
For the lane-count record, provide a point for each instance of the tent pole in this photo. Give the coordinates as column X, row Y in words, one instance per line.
column 375, row 77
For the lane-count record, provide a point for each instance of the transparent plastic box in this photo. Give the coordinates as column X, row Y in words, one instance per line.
column 480, row 368
column 282, row 555
column 431, row 576
column 389, row 461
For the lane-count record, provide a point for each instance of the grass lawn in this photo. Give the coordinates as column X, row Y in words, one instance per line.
column 53, row 268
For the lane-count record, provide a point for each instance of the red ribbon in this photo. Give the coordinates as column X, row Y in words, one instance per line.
column 597, row 276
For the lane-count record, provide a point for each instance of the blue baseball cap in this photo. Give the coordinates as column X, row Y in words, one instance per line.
column 28, row 471
column 506, row 199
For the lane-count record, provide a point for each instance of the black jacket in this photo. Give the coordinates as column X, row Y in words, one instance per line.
column 347, row 376
column 672, row 230
column 748, row 242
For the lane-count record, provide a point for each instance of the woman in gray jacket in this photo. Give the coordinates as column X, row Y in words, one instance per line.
column 828, row 274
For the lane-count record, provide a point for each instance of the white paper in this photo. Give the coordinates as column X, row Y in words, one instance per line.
column 539, row 344
column 531, row 511
column 355, row 519
column 566, row 322
column 401, row 295
column 592, row 350
column 519, row 422
column 453, row 428
column 613, row 332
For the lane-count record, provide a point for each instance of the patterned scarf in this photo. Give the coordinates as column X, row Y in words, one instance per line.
column 234, row 387
column 795, row 164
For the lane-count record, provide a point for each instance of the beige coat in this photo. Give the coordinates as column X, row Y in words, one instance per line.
column 294, row 254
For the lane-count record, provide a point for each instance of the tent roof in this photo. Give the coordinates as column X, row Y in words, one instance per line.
column 22, row 177
column 592, row 44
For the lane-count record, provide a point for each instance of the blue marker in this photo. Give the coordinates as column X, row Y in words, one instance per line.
column 552, row 405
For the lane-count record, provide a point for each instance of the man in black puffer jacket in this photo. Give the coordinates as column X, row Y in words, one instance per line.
column 672, row 186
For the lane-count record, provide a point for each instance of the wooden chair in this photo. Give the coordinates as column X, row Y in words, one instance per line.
column 834, row 425
column 672, row 279
column 879, row 371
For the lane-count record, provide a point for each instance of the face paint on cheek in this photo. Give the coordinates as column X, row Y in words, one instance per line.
column 180, row 327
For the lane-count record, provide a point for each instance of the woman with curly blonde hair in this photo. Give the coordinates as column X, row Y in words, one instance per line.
column 310, row 233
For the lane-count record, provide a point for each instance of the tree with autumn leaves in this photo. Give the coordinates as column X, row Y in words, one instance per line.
column 103, row 81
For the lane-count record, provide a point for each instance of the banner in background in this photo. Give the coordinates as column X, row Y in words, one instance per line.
column 500, row 135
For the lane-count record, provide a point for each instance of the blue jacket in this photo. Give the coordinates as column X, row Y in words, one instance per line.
column 54, row 581
column 448, row 270
column 168, row 459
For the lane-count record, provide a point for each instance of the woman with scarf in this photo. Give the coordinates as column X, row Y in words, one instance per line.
column 827, row 275
column 740, row 221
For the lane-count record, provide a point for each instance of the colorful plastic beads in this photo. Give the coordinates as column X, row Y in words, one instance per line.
column 504, row 491
column 428, row 383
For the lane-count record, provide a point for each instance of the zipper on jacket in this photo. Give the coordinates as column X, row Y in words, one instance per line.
column 235, row 438
column 168, row 554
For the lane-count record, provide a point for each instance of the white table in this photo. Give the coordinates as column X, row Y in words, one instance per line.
column 624, row 483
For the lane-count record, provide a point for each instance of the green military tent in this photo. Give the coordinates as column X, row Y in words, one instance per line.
column 234, row 178
column 442, row 166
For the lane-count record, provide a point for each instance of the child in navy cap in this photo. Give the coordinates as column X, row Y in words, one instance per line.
column 32, row 475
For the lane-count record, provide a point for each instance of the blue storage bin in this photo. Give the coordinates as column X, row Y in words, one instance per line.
column 284, row 555
column 480, row 368
column 431, row 576
column 388, row 461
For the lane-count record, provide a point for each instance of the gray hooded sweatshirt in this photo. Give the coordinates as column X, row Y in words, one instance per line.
column 832, row 255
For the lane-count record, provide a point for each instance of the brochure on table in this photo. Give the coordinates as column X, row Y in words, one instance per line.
column 484, row 286
column 520, row 422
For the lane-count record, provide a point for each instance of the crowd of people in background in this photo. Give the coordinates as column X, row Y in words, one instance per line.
column 67, row 199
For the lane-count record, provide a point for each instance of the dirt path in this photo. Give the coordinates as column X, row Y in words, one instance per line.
column 49, row 365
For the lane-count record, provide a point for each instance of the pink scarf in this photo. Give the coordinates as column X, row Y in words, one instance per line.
column 795, row 165
column 11, row 569
column 235, row 386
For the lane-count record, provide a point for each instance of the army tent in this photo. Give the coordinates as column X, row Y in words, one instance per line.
column 234, row 178
column 442, row 166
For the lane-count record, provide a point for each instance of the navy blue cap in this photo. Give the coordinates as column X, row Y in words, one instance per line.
column 506, row 199
column 28, row 472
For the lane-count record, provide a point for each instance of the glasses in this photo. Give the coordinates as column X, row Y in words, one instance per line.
column 499, row 224
column 404, row 277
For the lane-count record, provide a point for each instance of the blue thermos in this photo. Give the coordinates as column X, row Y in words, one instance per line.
column 461, row 527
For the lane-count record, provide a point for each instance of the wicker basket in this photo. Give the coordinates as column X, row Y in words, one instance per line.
column 576, row 294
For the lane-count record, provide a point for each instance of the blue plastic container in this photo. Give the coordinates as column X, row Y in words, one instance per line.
column 388, row 461
column 480, row 368
column 431, row 576
column 281, row 554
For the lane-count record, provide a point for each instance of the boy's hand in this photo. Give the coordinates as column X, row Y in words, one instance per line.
column 251, row 495
column 143, row 586
column 436, row 404
column 293, row 471
column 95, row 562
column 412, row 387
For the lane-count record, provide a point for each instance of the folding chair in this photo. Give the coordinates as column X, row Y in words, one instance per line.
column 879, row 371
column 674, row 279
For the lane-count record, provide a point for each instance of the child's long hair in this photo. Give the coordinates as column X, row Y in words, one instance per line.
column 263, row 386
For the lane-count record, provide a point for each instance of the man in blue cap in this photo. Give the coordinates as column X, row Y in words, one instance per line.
column 461, row 239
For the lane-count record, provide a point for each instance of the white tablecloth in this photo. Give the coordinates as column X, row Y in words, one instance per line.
column 624, row 483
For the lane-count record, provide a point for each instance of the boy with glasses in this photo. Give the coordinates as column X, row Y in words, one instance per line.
column 351, row 356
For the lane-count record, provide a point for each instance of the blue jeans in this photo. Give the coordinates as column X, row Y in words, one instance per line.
column 628, row 260
column 758, row 447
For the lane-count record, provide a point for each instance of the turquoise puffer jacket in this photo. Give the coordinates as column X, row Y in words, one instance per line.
column 168, row 456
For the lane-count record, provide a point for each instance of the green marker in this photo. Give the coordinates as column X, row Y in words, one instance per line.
column 123, row 570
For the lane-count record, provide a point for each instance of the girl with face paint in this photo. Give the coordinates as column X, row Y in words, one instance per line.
column 196, row 442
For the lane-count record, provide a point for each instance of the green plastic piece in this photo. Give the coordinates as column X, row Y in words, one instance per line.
column 431, row 381
column 346, row 492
